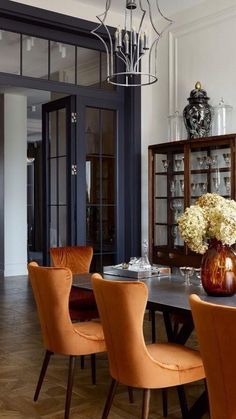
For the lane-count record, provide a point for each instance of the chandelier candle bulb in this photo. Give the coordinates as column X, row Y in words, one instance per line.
column 146, row 38
column 126, row 42
column 134, row 36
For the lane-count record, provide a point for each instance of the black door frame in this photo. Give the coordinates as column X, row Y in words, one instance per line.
column 50, row 25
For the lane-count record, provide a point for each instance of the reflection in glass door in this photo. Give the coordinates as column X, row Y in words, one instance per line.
column 100, row 134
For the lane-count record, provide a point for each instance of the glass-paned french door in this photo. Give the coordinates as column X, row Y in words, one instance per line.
column 81, row 178
column 101, row 228
column 59, row 127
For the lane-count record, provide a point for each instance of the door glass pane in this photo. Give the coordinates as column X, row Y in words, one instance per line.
column 108, row 229
column 53, row 227
column 108, row 129
column 93, row 226
column 34, row 57
column 58, row 177
column 10, row 52
column 92, row 133
column 62, row 198
column 53, row 181
column 62, row 225
column 52, row 133
column 100, row 179
column 88, row 67
column 62, row 132
column 93, row 179
column 108, row 181
column 62, row 62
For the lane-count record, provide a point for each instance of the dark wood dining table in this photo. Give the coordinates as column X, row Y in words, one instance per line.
column 170, row 295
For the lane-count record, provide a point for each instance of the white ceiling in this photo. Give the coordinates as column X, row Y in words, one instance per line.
column 167, row 6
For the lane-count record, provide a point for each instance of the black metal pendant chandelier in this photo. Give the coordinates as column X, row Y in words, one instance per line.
column 133, row 46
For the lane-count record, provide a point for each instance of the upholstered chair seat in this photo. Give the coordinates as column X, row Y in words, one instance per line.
column 82, row 304
column 215, row 326
column 51, row 288
column 121, row 306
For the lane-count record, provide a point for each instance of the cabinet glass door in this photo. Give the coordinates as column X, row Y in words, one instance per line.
column 210, row 172
column 168, row 198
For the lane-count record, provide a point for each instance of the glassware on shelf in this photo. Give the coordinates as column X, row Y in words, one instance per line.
column 178, row 163
column 202, row 187
column 165, row 163
column 200, row 161
column 208, row 162
column 173, row 184
column 222, row 118
column 214, row 160
column 216, row 184
column 193, row 188
column 177, row 206
column 174, row 234
column 227, row 183
column 226, row 157
column 176, row 127
column 181, row 185
column 186, row 272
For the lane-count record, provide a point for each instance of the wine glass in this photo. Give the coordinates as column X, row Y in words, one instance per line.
column 227, row 183
column 226, row 157
column 173, row 183
column 203, row 187
column 197, row 273
column 178, row 163
column 214, row 160
column 216, row 184
column 181, row 185
column 193, row 187
column 208, row 162
column 200, row 161
column 186, row 272
column 165, row 163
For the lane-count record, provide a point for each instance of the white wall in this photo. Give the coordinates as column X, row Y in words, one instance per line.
column 15, row 189
column 201, row 47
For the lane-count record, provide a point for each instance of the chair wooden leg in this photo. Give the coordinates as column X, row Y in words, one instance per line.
column 165, row 402
column 146, row 402
column 183, row 401
column 42, row 374
column 72, row 362
column 110, row 398
column 131, row 394
column 93, row 368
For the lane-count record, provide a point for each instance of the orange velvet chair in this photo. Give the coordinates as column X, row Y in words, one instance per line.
column 82, row 304
column 121, row 306
column 51, row 288
column 216, row 332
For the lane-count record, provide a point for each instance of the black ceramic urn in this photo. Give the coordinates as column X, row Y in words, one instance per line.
column 198, row 113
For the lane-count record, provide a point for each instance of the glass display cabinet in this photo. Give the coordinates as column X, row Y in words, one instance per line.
column 180, row 172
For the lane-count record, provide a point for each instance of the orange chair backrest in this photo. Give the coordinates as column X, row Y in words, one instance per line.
column 121, row 305
column 216, row 332
column 77, row 258
column 51, row 288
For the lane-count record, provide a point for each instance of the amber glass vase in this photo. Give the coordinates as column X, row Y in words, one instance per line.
column 218, row 269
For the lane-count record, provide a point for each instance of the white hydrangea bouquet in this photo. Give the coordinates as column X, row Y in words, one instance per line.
column 212, row 216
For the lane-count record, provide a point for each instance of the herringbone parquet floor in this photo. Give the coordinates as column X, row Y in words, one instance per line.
column 21, row 354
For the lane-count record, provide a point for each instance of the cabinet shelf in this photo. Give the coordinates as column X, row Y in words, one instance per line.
column 176, row 181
